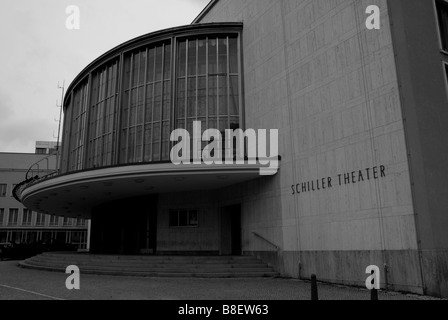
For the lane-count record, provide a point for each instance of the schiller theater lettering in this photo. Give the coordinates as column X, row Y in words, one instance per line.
column 353, row 177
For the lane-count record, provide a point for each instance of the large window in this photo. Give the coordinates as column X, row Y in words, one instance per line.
column 183, row 218
column 442, row 14
column 54, row 221
column 146, row 115
column 207, row 83
column 2, row 216
column 12, row 189
column 102, row 116
column 78, row 130
column 26, row 217
column 124, row 110
column 67, row 222
column 3, row 188
column 13, row 217
column 40, row 219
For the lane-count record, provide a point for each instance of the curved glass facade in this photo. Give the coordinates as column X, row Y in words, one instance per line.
column 123, row 109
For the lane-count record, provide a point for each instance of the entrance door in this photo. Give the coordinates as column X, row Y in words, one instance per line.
column 231, row 231
column 126, row 226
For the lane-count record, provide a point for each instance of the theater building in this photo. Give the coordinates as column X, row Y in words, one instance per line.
column 363, row 126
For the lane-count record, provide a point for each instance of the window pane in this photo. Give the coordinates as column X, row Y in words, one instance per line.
column 123, row 144
column 159, row 63
column 156, row 142
column 166, row 100
column 233, row 55
column 131, row 148
column 135, row 69
column 166, row 141
column 174, row 219
column 167, row 72
column 183, row 218
column 212, row 56
column 148, row 142
column 127, row 72
column 222, row 56
column 142, row 66
column 125, row 111
column 139, row 144
column 182, row 58
column 193, row 218
column 3, row 190
column 191, row 98
column 234, row 96
column 157, row 102
column 151, row 57
column 202, row 98
column 180, row 99
column 202, row 56
column 149, row 103
column 140, row 105
column 223, row 110
column 133, row 115
column 191, row 57
column 212, row 96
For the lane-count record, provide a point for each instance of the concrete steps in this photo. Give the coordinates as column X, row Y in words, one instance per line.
column 153, row 266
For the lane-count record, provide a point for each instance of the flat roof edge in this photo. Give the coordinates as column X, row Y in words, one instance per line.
column 209, row 6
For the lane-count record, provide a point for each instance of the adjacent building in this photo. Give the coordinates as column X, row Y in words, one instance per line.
column 21, row 225
column 363, row 138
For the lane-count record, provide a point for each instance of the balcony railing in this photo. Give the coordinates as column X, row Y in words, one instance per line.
column 38, row 172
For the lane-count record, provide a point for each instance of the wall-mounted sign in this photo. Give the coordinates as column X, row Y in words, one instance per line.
column 353, row 177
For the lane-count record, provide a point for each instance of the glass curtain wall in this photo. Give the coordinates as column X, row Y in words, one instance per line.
column 146, row 114
column 129, row 118
column 207, row 83
column 103, row 110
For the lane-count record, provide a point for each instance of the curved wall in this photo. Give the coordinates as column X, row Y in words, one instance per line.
column 123, row 107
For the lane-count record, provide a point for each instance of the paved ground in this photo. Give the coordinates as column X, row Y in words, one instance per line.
column 24, row 284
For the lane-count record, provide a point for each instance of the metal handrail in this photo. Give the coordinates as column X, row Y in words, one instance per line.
column 266, row 240
column 35, row 174
column 32, row 168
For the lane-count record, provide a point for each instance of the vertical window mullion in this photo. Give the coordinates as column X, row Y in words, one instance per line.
column 137, row 91
column 240, row 85
column 145, row 88
column 128, row 130
column 86, row 117
column 70, row 133
column 161, row 104
column 228, row 83
column 206, row 83
column 103, row 121
column 217, row 83
column 153, row 104
column 197, row 79
column 187, row 45
column 173, row 96
column 119, row 103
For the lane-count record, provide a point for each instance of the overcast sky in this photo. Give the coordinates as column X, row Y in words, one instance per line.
column 38, row 51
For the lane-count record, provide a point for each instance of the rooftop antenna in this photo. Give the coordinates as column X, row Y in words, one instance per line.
column 62, row 88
